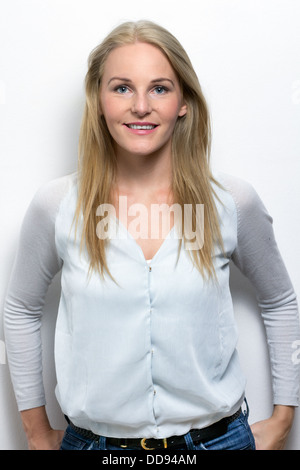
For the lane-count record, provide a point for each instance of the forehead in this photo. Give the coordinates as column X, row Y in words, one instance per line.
column 137, row 60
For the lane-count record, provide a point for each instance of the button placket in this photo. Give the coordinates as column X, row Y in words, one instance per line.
column 149, row 267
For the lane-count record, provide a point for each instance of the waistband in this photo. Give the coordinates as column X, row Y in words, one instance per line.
column 208, row 433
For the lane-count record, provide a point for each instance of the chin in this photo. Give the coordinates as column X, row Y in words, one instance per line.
column 140, row 152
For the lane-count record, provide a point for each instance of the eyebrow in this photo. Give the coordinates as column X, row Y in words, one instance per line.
column 156, row 80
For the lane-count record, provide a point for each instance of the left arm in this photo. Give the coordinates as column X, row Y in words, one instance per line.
column 271, row 433
column 258, row 258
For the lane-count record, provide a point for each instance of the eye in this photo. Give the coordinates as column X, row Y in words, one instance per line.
column 160, row 90
column 122, row 89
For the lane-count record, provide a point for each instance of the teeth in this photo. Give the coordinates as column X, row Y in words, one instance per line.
column 134, row 126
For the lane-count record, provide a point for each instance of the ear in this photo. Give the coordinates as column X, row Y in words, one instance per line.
column 183, row 110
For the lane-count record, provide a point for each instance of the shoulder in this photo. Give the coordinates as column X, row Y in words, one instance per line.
column 253, row 220
column 54, row 190
column 50, row 195
column 242, row 192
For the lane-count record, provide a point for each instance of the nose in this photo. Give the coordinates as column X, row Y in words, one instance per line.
column 141, row 104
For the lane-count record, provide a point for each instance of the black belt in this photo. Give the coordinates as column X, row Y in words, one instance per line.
column 198, row 435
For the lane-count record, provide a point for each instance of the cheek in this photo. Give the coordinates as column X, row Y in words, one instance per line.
column 110, row 109
column 172, row 108
column 170, row 113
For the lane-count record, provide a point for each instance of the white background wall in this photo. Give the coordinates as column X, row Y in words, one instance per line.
column 246, row 53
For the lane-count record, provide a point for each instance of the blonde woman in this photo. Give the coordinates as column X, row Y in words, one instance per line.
column 145, row 343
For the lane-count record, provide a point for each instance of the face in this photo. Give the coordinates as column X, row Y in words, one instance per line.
column 140, row 99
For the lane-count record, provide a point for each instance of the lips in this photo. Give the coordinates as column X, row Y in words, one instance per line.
column 142, row 126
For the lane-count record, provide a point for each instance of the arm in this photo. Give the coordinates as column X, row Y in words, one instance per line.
column 35, row 266
column 271, row 433
column 258, row 258
column 40, row 435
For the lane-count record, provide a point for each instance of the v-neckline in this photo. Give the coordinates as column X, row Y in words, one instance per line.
column 157, row 253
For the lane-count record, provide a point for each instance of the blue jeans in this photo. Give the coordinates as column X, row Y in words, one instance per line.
column 237, row 437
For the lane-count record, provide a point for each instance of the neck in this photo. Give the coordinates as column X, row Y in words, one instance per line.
column 150, row 172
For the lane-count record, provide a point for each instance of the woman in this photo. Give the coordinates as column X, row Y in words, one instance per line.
column 145, row 343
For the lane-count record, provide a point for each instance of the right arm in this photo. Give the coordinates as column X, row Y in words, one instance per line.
column 40, row 435
column 36, row 264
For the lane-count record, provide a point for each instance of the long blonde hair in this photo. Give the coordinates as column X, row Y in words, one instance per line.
column 191, row 141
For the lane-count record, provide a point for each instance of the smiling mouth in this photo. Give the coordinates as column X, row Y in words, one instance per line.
column 142, row 127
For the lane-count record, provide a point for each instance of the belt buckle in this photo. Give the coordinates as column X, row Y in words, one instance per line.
column 143, row 444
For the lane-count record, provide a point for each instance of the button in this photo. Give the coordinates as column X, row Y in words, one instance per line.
column 150, row 269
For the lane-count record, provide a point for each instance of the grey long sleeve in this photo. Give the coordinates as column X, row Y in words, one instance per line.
column 35, row 266
column 256, row 255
